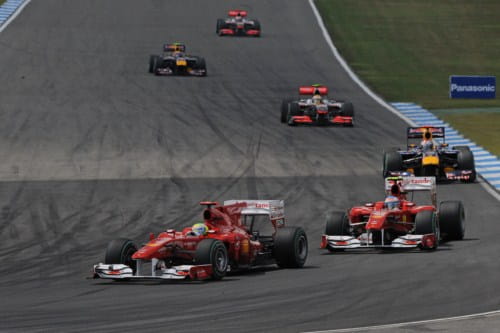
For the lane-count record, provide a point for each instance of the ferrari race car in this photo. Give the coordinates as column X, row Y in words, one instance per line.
column 430, row 157
column 396, row 222
column 238, row 25
column 239, row 235
column 175, row 61
column 316, row 108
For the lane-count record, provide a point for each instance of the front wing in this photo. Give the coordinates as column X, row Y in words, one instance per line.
column 307, row 120
column 427, row 241
column 124, row 272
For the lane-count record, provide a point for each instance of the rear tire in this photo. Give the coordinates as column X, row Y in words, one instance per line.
column 120, row 251
column 213, row 252
column 392, row 162
column 452, row 220
column 290, row 247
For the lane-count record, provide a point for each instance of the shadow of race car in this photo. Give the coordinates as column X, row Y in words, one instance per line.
column 316, row 108
column 175, row 61
column 236, row 24
column 239, row 235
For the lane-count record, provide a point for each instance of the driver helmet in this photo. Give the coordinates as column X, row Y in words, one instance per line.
column 199, row 229
column 316, row 99
column 392, row 200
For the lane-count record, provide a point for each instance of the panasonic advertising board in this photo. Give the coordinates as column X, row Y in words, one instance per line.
column 462, row 86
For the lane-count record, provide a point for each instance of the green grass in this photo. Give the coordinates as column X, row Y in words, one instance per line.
column 483, row 127
column 405, row 50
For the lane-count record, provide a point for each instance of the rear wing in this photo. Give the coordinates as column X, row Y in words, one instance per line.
column 175, row 47
column 237, row 12
column 408, row 184
column 313, row 90
column 412, row 184
column 418, row 132
column 274, row 208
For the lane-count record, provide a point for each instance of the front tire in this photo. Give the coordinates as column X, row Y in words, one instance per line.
column 347, row 109
column 426, row 223
column 213, row 252
column 465, row 161
column 284, row 108
column 290, row 247
column 120, row 251
column 452, row 220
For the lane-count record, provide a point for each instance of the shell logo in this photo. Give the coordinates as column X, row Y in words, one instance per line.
column 245, row 247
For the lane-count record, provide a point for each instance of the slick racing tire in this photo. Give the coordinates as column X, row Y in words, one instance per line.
column 201, row 64
column 220, row 25
column 213, row 252
column 337, row 224
column 392, row 162
column 465, row 161
column 284, row 108
column 293, row 110
column 120, row 251
column 290, row 247
column 151, row 61
column 155, row 63
column 452, row 220
column 426, row 223
column 256, row 26
column 347, row 109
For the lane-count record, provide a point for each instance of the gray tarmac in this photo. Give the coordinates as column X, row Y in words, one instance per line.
column 94, row 148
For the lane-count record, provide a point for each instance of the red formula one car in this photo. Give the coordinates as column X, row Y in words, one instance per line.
column 397, row 222
column 239, row 235
column 238, row 25
column 316, row 108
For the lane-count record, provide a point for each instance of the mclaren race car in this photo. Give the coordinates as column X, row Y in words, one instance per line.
column 238, row 25
column 396, row 222
column 313, row 107
column 238, row 235
column 175, row 61
column 428, row 154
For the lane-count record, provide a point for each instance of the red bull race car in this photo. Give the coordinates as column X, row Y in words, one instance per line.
column 313, row 107
column 396, row 222
column 428, row 154
column 175, row 61
column 237, row 235
column 237, row 24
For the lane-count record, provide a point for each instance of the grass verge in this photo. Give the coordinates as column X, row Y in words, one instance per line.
column 483, row 127
column 405, row 50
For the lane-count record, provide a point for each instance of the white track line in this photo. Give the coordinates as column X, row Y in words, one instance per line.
column 351, row 74
column 367, row 90
column 411, row 323
column 383, row 103
column 14, row 15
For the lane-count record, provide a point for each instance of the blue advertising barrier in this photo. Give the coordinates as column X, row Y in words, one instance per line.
column 462, row 86
column 8, row 8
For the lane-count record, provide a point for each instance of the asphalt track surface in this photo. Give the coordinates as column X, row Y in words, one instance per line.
column 94, row 148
